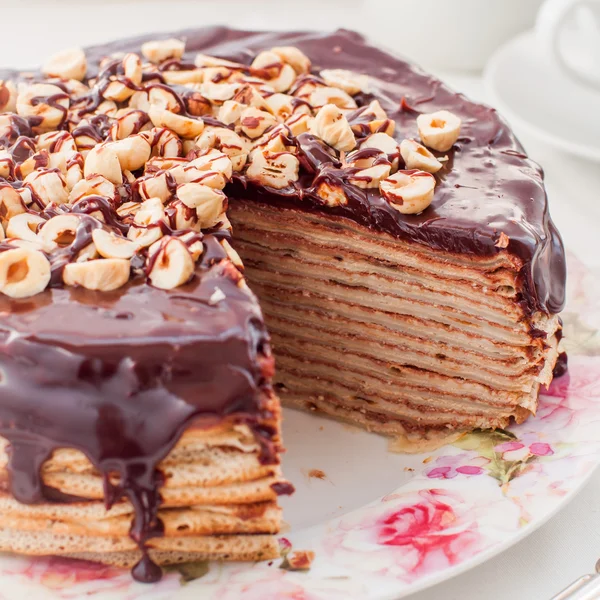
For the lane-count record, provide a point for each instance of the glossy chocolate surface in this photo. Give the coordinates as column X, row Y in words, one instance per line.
column 487, row 187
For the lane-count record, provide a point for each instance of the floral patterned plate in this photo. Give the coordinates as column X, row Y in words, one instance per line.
column 383, row 525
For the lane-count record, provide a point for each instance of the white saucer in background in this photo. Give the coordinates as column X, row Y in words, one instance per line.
column 533, row 94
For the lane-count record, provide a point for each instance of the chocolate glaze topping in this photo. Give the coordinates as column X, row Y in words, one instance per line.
column 487, row 187
column 119, row 375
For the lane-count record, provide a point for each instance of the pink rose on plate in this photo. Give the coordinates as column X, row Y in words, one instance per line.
column 430, row 530
column 59, row 573
column 516, row 450
column 448, row 467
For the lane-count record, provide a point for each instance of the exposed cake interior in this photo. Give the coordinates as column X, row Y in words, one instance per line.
column 400, row 338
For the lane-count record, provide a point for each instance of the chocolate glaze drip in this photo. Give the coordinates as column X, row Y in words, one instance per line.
column 488, row 187
column 561, row 366
column 120, row 375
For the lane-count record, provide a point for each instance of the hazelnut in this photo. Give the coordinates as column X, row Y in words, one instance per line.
column 164, row 142
column 183, row 216
column 76, row 89
column 155, row 186
column 8, row 96
column 370, row 177
column 332, row 195
column 128, row 124
column 194, row 245
column 132, row 68
column 47, row 185
column 409, row 192
column 158, row 51
column 151, row 212
column 103, row 274
column 24, row 226
column 59, row 231
column 298, row 123
column 276, row 170
column 196, row 194
column 249, row 96
column 133, row 152
column 67, row 64
column 213, row 168
column 416, row 156
column 171, row 263
column 439, row 130
column 387, row 144
column 284, row 106
column 232, row 255
column 164, row 97
column 293, row 57
column 87, row 253
column 24, row 272
column 11, row 204
column 331, row 126
column 7, row 165
column 184, row 77
column 209, row 204
column 92, row 185
column 29, row 165
column 56, row 141
column 74, row 173
column 103, row 160
column 117, row 90
column 228, row 142
column 139, row 100
column 111, row 245
column 276, row 139
column 145, row 236
column 197, row 105
column 185, row 127
column 218, row 93
column 84, row 142
column 324, row 95
column 230, row 112
column 371, row 119
column 254, row 122
column 352, row 83
column 280, row 75
column 47, row 102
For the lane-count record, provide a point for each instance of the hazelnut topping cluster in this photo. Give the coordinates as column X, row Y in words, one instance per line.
column 118, row 175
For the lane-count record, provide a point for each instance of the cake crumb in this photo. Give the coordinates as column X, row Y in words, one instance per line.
column 428, row 459
column 317, row 473
column 409, row 469
column 298, row 560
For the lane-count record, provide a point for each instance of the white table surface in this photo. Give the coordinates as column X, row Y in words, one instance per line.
column 569, row 544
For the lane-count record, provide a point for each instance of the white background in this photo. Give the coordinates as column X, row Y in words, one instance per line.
column 569, row 545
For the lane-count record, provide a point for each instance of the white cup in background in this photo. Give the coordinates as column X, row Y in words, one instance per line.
column 569, row 30
column 449, row 34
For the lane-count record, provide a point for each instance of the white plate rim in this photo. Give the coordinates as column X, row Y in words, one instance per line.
column 497, row 100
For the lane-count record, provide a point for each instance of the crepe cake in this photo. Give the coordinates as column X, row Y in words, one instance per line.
column 396, row 234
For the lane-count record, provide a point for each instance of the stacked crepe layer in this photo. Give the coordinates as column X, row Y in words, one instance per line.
column 397, row 337
column 217, row 502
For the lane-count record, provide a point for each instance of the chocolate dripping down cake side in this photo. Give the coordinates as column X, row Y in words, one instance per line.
column 397, row 237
